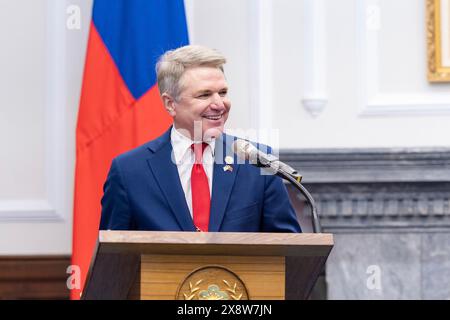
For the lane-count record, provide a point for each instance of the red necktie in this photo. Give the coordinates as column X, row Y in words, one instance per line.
column 200, row 189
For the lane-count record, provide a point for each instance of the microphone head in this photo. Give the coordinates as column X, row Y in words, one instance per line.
column 243, row 149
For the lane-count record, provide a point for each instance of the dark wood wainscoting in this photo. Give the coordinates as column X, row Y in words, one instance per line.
column 38, row 277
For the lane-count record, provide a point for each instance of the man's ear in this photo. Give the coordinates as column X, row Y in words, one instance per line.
column 169, row 103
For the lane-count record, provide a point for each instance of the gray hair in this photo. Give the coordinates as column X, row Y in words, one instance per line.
column 172, row 65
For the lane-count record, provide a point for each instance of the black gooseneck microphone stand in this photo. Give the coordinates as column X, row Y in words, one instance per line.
column 295, row 178
column 312, row 205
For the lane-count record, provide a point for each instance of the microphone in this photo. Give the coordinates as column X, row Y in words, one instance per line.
column 247, row 151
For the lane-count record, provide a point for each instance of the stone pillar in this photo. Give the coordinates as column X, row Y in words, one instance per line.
column 390, row 213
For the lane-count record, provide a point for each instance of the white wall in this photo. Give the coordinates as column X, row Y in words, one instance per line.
column 369, row 64
column 42, row 63
column 366, row 59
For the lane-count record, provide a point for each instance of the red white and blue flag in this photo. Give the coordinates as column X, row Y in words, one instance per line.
column 120, row 107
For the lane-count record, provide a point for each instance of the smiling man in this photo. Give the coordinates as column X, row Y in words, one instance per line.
column 188, row 179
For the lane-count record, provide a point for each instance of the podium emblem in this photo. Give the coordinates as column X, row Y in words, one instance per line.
column 212, row 283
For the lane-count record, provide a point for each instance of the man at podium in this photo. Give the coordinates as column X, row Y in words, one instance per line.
column 189, row 179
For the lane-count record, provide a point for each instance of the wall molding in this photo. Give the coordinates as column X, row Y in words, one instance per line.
column 315, row 62
column 54, row 207
column 34, row 277
column 28, row 211
column 190, row 18
column 261, row 63
column 374, row 102
column 380, row 190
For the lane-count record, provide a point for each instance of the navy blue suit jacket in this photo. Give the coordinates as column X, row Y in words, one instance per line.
column 143, row 192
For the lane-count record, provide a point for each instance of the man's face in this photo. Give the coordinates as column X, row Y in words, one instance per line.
column 202, row 103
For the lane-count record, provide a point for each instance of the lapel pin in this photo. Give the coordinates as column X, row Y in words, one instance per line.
column 228, row 168
column 229, row 160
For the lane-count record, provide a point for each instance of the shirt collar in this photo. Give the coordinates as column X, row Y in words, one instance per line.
column 181, row 144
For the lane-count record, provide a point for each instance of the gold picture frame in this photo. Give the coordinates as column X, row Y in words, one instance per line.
column 438, row 40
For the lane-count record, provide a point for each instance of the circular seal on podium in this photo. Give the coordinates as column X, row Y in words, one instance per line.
column 212, row 283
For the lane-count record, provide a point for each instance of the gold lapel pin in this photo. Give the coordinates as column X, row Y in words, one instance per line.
column 229, row 160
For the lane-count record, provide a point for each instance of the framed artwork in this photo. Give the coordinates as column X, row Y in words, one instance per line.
column 438, row 40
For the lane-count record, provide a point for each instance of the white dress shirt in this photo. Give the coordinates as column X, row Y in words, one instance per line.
column 184, row 158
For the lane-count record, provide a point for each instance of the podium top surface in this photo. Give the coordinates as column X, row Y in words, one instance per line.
column 215, row 243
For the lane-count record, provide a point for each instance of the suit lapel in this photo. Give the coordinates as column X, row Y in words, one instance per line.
column 223, row 182
column 166, row 174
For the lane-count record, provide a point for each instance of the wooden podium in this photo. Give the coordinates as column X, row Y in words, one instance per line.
column 210, row 265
